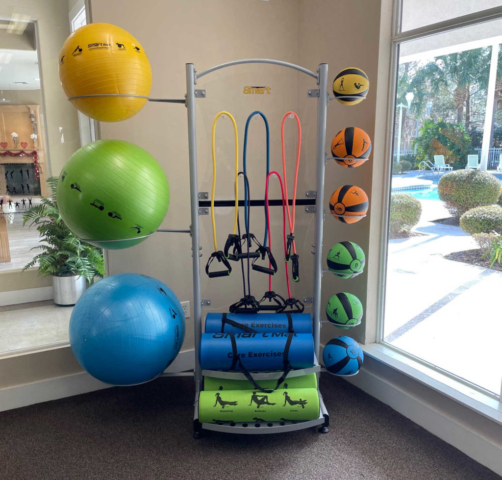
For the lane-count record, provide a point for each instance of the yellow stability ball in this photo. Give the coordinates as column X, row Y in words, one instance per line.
column 100, row 58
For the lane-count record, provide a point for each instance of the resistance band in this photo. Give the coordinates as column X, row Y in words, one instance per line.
column 291, row 245
column 218, row 254
column 244, row 162
column 231, row 406
column 280, row 303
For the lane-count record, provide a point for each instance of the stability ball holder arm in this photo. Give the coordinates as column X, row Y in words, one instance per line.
column 322, row 104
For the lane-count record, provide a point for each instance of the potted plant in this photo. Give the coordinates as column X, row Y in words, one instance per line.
column 71, row 262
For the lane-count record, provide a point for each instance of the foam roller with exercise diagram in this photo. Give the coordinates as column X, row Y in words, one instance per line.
column 295, row 404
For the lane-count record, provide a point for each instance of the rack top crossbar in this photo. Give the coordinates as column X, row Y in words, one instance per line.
column 257, row 60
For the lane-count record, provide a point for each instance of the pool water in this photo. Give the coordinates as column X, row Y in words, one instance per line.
column 426, row 194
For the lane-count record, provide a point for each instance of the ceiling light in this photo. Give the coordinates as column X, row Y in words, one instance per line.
column 18, row 23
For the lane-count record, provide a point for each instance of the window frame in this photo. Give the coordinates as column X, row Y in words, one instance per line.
column 381, row 349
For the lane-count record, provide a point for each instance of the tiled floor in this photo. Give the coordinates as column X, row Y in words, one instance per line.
column 33, row 325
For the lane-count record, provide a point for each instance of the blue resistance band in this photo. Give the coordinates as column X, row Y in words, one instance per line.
column 246, row 218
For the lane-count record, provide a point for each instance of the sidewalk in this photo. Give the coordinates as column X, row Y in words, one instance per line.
column 434, row 306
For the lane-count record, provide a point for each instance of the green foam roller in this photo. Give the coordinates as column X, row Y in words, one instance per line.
column 304, row 381
column 294, row 404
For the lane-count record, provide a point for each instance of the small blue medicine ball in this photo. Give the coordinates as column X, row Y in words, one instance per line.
column 343, row 356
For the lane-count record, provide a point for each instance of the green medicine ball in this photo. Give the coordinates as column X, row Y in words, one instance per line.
column 344, row 310
column 112, row 190
column 346, row 259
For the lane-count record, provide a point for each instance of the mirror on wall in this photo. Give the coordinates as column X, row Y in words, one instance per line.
column 39, row 131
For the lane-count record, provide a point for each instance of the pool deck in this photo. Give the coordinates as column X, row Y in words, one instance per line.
column 401, row 184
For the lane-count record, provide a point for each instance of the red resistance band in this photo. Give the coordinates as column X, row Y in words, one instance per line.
column 291, row 244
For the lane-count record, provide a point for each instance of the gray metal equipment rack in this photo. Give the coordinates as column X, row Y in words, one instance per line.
column 321, row 94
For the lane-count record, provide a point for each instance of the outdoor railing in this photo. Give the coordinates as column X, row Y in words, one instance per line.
column 493, row 157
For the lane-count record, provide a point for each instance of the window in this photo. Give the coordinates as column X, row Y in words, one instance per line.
column 442, row 291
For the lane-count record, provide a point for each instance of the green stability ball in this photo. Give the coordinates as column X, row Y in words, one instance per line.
column 112, row 190
column 346, row 259
column 344, row 310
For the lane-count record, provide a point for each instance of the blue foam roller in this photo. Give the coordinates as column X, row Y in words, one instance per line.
column 259, row 322
column 257, row 351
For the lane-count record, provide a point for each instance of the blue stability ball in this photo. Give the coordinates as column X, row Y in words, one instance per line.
column 343, row 356
column 127, row 329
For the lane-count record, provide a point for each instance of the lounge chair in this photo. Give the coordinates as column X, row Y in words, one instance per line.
column 440, row 165
column 472, row 162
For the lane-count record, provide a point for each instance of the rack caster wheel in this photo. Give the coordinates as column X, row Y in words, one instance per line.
column 197, row 430
column 323, row 430
column 197, row 435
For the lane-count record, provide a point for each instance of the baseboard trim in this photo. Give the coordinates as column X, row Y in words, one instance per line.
column 70, row 385
column 27, row 295
column 466, row 430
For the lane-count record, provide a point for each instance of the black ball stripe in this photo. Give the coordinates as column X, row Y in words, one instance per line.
column 351, row 71
column 349, row 140
column 344, row 300
column 350, row 248
column 362, row 207
column 343, row 191
column 336, row 367
column 337, row 266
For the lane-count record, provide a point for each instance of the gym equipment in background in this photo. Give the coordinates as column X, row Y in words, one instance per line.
column 344, row 310
column 259, row 323
column 346, row 259
column 351, row 147
column 233, row 238
column 349, row 204
column 351, row 86
column 127, row 329
column 304, row 381
column 343, row 356
column 113, row 194
column 105, row 72
column 253, row 406
column 256, row 351
column 291, row 245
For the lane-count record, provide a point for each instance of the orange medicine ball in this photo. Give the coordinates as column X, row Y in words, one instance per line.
column 349, row 204
column 351, row 147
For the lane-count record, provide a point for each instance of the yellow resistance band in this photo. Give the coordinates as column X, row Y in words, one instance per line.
column 236, row 176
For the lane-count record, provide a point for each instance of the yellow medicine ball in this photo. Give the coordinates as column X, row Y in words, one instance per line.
column 351, row 85
column 100, row 58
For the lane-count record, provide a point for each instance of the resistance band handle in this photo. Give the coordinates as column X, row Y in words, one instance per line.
column 272, row 297
column 233, row 323
column 247, row 304
column 232, row 241
column 266, row 252
column 221, row 258
column 295, row 264
column 289, row 247
column 249, row 255
column 236, row 359
column 295, row 305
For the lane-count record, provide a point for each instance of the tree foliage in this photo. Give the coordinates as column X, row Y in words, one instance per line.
column 442, row 138
column 62, row 253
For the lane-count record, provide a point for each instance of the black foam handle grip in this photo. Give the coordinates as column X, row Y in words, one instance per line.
column 295, row 260
column 259, row 268
column 250, row 255
column 223, row 273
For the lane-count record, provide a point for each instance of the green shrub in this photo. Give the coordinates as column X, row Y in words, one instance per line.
column 466, row 189
column 482, row 220
column 405, row 212
column 500, row 198
column 405, row 166
column 485, row 241
column 396, row 168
